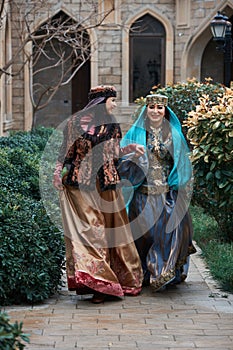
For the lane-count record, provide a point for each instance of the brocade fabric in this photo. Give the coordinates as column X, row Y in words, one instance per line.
column 100, row 251
column 163, row 252
column 101, row 255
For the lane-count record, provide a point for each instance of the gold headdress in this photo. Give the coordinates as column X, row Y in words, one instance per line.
column 157, row 99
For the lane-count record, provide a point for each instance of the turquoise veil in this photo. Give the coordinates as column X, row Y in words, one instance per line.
column 181, row 175
column 181, row 172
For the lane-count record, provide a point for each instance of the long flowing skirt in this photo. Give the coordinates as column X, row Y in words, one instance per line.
column 100, row 252
column 164, row 251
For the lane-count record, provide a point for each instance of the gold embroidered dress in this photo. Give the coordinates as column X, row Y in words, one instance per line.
column 100, row 252
column 164, row 255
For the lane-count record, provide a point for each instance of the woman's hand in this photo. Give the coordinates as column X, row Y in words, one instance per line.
column 139, row 150
column 57, row 182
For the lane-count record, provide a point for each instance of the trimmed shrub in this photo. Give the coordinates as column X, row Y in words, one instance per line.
column 32, row 142
column 19, row 171
column 31, row 251
column 31, row 246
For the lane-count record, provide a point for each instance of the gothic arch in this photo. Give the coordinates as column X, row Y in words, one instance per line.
column 195, row 47
column 93, row 40
column 93, row 64
column 125, row 50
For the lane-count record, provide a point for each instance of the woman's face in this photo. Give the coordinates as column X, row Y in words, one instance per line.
column 110, row 104
column 155, row 114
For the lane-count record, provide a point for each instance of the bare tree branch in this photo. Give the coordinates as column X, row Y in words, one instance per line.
column 60, row 42
column 2, row 8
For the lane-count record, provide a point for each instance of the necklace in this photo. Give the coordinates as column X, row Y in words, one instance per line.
column 156, row 137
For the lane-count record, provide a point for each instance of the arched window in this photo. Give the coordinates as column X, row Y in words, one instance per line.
column 147, row 56
column 61, row 71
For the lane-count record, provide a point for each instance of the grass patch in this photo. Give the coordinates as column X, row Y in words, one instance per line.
column 218, row 255
column 205, row 227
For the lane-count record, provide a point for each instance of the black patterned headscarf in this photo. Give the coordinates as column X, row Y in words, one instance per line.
column 95, row 113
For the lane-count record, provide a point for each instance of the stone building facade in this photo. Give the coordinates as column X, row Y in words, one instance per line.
column 139, row 44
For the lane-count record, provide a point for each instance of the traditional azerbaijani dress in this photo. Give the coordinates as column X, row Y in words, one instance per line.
column 100, row 252
column 158, row 213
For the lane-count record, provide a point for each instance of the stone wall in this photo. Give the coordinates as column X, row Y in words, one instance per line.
column 186, row 22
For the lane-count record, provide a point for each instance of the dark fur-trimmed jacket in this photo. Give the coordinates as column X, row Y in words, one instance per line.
column 94, row 155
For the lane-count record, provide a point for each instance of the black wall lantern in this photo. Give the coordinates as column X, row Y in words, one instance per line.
column 221, row 31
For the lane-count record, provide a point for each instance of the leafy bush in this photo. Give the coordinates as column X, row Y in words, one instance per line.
column 31, row 246
column 11, row 335
column 31, row 251
column 32, row 142
column 210, row 131
column 19, row 171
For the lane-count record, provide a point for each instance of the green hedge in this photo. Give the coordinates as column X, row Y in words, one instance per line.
column 31, row 246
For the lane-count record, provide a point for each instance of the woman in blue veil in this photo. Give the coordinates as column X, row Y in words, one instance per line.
column 158, row 208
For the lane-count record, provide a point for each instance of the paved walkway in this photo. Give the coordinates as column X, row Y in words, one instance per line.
column 193, row 315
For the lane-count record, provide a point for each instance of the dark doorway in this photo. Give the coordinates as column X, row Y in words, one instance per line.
column 56, row 92
column 80, row 87
column 147, row 56
column 212, row 65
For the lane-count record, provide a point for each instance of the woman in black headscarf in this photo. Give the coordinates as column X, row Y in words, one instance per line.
column 101, row 257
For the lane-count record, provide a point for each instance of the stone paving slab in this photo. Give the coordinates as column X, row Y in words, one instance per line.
column 192, row 315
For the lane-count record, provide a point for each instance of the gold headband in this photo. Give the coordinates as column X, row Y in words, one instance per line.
column 157, row 99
